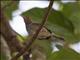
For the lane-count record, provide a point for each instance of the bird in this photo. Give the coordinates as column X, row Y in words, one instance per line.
column 44, row 33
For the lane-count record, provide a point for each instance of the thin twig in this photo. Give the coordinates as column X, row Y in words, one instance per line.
column 36, row 34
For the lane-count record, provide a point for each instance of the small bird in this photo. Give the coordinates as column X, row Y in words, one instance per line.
column 45, row 33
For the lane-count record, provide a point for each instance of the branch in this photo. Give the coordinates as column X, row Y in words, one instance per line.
column 7, row 32
column 27, row 47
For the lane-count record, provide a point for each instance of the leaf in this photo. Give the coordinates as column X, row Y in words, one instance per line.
column 72, row 11
column 65, row 54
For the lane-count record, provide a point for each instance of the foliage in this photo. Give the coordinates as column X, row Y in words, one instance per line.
column 65, row 23
column 65, row 54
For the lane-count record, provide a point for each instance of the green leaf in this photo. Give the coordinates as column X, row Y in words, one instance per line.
column 65, row 54
column 72, row 11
